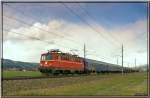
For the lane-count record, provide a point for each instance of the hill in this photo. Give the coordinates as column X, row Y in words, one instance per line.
column 18, row 65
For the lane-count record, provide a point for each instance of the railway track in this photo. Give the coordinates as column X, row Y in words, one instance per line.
column 42, row 77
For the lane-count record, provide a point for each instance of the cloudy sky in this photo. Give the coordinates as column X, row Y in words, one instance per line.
column 33, row 28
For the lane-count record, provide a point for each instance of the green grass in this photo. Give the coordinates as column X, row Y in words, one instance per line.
column 11, row 74
column 100, row 85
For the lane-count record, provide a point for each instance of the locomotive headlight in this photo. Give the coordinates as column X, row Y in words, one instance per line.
column 46, row 63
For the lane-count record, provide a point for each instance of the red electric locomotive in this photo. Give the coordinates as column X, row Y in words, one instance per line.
column 56, row 62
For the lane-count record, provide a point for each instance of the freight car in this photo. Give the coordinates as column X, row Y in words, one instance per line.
column 57, row 62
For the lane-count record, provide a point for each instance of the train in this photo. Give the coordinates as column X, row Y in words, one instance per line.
column 56, row 62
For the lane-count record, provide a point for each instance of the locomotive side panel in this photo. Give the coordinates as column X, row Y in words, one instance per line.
column 54, row 61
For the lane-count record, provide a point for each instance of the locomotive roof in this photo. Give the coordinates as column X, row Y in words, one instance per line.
column 59, row 52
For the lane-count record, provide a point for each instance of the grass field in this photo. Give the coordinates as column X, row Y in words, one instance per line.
column 96, row 85
column 10, row 74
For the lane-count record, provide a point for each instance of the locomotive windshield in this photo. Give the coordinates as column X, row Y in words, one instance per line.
column 46, row 57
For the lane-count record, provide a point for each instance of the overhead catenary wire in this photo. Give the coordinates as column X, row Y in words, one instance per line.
column 39, row 28
column 34, row 26
column 36, row 38
column 84, row 21
column 87, row 50
column 102, row 57
column 24, row 23
column 92, row 18
column 137, row 37
column 28, row 24
column 19, row 11
column 54, row 33
column 48, row 42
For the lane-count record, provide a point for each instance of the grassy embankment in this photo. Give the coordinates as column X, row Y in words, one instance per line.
column 100, row 85
column 11, row 74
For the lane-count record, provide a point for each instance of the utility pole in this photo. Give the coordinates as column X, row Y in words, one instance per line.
column 117, row 60
column 135, row 63
column 84, row 57
column 122, row 59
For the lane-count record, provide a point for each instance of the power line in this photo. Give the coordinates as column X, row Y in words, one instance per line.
column 41, row 28
column 100, row 56
column 83, row 20
column 16, row 9
column 37, row 27
column 91, row 17
column 33, row 19
column 27, row 24
column 142, row 34
column 36, row 38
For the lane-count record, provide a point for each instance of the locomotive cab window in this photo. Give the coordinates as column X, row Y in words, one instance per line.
column 43, row 57
column 46, row 57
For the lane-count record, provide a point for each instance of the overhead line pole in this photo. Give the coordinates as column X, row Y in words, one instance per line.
column 122, row 59
column 84, row 57
column 117, row 60
column 135, row 63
